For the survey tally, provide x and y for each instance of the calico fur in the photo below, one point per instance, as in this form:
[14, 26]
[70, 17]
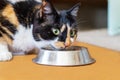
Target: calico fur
[31, 24]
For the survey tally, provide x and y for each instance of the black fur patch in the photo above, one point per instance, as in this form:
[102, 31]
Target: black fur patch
[24, 11]
[63, 35]
[45, 32]
[4, 32]
[3, 3]
[0, 35]
[8, 25]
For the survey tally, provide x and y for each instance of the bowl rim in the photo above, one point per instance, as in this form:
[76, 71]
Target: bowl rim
[79, 48]
[68, 65]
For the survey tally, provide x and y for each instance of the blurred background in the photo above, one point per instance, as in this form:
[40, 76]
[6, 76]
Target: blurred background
[99, 23]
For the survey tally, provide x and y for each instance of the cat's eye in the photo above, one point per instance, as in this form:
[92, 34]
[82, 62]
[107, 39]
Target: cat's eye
[56, 31]
[72, 33]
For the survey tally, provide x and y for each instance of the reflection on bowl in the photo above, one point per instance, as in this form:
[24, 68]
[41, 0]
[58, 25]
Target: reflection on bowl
[72, 56]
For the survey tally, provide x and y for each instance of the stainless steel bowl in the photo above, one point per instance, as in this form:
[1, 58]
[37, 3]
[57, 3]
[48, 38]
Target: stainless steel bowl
[72, 56]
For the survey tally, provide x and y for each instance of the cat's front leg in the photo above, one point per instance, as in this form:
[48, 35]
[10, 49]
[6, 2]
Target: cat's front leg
[5, 55]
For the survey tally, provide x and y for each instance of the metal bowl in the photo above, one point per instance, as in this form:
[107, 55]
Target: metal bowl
[72, 56]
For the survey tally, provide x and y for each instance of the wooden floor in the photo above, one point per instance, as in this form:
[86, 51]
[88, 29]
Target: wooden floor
[107, 67]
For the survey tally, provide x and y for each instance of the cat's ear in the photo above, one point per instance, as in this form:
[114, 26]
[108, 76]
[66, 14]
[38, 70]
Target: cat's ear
[74, 10]
[47, 8]
[45, 13]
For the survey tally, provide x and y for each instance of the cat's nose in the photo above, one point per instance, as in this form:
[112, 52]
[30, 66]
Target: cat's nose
[67, 43]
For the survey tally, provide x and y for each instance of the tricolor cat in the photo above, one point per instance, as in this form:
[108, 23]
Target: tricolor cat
[30, 24]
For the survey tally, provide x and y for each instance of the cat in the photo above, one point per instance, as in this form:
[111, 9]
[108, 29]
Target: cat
[29, 24]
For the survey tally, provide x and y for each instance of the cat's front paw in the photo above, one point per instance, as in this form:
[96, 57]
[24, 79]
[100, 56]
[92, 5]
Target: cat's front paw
[5, 56]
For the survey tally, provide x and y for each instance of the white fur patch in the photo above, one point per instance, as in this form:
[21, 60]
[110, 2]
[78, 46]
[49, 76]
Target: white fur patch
[23, 40]
[72, 39]
[5, 55]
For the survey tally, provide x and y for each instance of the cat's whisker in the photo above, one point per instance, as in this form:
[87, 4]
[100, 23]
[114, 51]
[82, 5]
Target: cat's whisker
[80, 19]
[77, 23]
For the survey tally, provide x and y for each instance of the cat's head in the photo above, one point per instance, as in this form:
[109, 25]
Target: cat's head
[57, 28]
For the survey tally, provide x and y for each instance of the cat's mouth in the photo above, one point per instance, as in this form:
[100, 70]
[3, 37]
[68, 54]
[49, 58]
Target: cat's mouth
[58, 45]
[51, 47]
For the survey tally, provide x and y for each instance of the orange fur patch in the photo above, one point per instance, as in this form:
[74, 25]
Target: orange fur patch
[75, 37]
[63, 28]
[60, 44]
[37, 6]
[6, 30]
[5, 39]
[1, 39]
[9, 14]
